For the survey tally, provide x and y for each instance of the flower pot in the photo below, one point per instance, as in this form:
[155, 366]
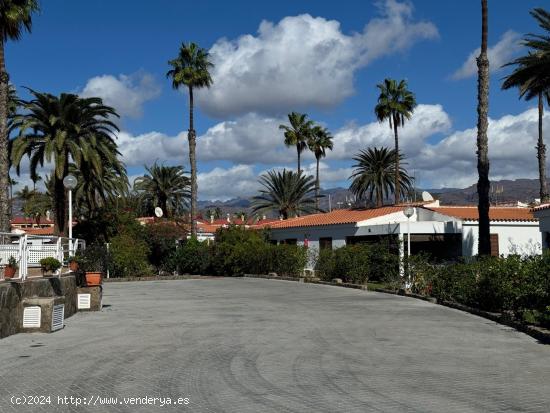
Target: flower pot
[93, 278]
[9, 271]
[73, 266]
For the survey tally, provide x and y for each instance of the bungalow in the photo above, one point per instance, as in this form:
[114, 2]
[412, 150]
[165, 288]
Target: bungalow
[445, 232]
[542, 213]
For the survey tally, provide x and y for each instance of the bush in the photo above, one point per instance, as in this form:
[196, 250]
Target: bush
[191, 257]
[287, 260]
[162, 238]
[358, 264]
[517, 285]
[95, 258]
[129, 256]
[50, 264]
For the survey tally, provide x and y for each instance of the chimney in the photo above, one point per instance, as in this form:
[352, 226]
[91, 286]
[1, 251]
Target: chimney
[264, 217]
[242, 218]
[212, 218]
[229, 218]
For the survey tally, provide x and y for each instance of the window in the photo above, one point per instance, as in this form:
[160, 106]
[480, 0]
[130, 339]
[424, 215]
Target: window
[290, 241]
[325, 243]
[494, 245]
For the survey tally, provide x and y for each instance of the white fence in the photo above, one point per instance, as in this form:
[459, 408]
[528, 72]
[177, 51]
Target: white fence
[28, 250]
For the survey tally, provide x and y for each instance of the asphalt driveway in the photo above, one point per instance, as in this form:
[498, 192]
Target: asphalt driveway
[248, 345]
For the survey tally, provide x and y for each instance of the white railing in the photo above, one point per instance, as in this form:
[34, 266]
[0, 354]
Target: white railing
[28, 250]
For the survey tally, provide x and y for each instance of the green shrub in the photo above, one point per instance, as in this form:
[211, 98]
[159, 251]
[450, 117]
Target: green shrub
[358, 263]
[129, 256]
[287, 260]
[325, 265]
[191, 257]
[50, 264]
[162, 238]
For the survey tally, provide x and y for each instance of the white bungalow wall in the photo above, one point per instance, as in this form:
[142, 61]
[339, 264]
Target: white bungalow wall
[522, 237]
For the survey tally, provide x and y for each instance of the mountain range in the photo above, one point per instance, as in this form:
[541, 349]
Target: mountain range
[502, 192]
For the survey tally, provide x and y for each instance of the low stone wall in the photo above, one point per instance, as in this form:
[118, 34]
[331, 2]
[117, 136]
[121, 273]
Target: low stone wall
[12, 295]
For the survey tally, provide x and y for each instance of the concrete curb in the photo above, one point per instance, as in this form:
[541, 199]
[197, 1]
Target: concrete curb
[159, 278]
[541, 334]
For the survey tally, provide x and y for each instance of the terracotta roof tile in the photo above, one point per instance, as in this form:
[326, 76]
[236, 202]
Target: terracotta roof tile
[495, 213]
[39, 231]
[338, 216]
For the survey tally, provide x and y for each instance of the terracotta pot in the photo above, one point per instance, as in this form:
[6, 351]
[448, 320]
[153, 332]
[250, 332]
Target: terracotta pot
[93, 278]
[73, 266]
[9, 272]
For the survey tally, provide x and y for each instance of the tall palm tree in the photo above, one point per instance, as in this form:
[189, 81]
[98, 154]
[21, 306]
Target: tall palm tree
[165, 186]
[191, 69]
[374, 175]
[15, 18]
[62, 130]
[298, 133]
[318, 143]
[483, 184]
[395, 104]
[289, 193]
[532, 77]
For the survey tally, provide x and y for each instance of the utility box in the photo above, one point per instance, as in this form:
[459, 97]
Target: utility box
[89, 298]
[42, 314]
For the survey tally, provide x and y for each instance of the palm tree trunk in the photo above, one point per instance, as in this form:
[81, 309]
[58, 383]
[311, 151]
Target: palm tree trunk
[193, 162]
[483, 185]
[317, 185]
[541, 155]
[298, 150]
[4, 155]
[396, 179]
[59, 206]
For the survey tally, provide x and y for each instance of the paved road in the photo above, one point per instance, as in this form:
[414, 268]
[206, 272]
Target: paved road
[245, 345]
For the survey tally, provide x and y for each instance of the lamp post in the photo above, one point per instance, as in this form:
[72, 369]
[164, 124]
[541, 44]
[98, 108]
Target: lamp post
[409, 212]
[70, 183]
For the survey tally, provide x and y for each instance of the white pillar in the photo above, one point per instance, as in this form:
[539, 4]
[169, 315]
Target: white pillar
[70, 223]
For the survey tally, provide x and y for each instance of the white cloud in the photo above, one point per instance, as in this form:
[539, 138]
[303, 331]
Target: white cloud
[253, 142]
[223, 184]
[126, 93]
[303, 61]
[500, 54]
[147, 148]
[512, 154]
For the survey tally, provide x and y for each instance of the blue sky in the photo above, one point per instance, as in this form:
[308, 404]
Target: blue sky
[323, 58]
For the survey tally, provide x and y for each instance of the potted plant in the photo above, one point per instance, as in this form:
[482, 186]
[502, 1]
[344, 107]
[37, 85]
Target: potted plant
[92, 263]
[49, 265]
[11, 268]
[74, 263]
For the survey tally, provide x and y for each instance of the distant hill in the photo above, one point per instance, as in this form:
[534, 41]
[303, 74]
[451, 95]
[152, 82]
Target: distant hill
[505, 191]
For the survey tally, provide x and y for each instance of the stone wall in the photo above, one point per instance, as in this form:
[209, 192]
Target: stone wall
[12, 295]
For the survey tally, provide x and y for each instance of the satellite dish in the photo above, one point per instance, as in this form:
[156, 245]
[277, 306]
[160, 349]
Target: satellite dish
[158, 212]
[426, 196]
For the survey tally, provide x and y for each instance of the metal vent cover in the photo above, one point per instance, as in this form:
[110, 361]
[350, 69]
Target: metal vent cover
[31, 317]
[84, 301]
[58, 317]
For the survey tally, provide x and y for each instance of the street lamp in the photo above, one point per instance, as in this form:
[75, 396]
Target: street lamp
[409, 212]
[70, 183]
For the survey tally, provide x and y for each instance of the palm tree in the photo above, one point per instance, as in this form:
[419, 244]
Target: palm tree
[532, 77]
[164, 186]
[15, 17]
[64, 129]
[96, 190]
[395, 104]
[298, 133]
[288, 193]
[191, 69]
[319, 141]
[37, 205]
[483, 185]
[374, 175]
